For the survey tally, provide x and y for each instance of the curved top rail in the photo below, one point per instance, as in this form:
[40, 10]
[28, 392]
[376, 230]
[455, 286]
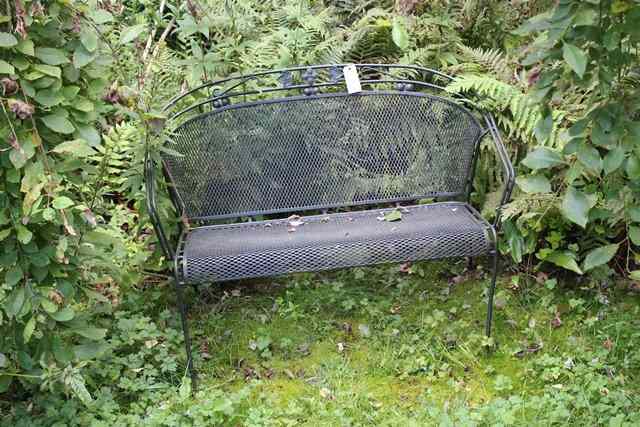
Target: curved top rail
[307, 80]
[246, 77]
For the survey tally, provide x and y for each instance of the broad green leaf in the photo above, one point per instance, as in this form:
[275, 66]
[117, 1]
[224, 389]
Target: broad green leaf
[4, 234]
[541, 158]
[6, 68]
[89, 134]
[633, 167]
[26, 47]
[89, 39]
[90, 332]
[65, 314]
[48, 70]
[90, 350]
[634, 234]
[534, 184]
[24, 234]
[7, 40]
[49, 97]
[28, 329]
[613, 160]
[131, 33]
[543, 128]
[62, 202]
[590, 157]
[61, 351]
[399, 33]
[51, 56]
[48, 305]
[82, 57]
[575, 57]
[58, 123]
[564, 259]
[100, 16]
[13, 275]
[576, 206]
[14, 302]
[82, 104]
[585, 16]
[77, 147]
[599, 256]
[634, 213]
[635, 275]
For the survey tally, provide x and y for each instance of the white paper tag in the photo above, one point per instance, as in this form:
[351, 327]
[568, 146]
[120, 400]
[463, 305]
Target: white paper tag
[351, 78]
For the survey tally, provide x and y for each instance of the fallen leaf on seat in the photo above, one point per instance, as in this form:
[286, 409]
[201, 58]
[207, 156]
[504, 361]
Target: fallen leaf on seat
[394, 215]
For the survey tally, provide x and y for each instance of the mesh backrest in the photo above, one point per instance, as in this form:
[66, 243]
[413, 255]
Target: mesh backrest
[326, 151]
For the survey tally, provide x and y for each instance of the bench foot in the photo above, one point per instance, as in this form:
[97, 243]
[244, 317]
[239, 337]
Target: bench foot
[185, 330]
[492, 289]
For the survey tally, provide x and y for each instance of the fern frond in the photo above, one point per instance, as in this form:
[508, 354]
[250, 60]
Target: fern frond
[491, 60]
[516, 113]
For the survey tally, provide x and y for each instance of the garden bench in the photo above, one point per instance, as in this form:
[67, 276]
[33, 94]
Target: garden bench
[289, 171]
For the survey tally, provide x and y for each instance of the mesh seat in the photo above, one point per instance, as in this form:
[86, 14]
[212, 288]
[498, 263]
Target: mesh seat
[323, 242]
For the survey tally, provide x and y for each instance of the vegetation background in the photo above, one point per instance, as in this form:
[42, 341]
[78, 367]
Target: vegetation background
[88, 332]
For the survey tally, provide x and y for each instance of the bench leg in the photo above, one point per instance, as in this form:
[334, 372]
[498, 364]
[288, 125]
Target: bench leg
[492, 289]
[185, 330]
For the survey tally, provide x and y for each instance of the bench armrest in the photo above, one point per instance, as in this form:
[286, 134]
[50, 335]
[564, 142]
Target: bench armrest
[509, 172]
[152, 206]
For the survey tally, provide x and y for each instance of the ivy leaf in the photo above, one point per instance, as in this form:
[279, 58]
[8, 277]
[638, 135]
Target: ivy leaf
[613, 160]
[575, 57]
[599, 256]
[62, 202]
[534, 184]
[131, 33]
[399, 33]
[634, 234]
[576, 206]
[7, 40]
[564, 259]
[51, 56]
[58, 123]
[542, 158]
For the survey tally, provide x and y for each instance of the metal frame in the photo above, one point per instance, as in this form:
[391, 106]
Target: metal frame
[305, 82]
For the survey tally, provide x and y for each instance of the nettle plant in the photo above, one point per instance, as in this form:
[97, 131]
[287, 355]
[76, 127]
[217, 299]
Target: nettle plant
[52, 242]
[581, 208]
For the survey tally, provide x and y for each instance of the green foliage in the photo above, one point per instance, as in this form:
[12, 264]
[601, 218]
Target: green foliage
[594, 175]
[51, 112]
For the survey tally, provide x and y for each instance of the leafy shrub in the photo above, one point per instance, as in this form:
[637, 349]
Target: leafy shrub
[582, 206]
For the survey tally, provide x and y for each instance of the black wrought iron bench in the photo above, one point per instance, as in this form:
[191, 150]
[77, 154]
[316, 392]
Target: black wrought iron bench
[284, 171]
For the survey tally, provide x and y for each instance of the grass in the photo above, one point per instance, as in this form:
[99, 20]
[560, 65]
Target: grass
[365, 346]
[378, 346]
